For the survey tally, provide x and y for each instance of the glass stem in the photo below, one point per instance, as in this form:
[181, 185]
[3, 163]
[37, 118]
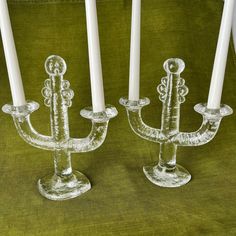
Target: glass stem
[170, 122]
[60, 127]
[62, 163]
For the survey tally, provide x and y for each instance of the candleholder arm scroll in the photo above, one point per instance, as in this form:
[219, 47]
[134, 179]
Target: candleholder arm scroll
[172, 92]
[21, 118]
[65, 183]
[134, 113]
[209, 128]
[98, 132]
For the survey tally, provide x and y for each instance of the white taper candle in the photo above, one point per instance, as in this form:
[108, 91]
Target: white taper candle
[234, 27]
[96, 77]
[17, 90]
[134, 71]
[218, 73]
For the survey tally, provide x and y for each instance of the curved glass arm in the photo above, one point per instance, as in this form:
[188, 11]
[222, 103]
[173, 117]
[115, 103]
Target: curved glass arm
[203, 135]
[98, 132]
[31, 136]
[21, 117]
[208, 129]
[133, 109]
[94, 140]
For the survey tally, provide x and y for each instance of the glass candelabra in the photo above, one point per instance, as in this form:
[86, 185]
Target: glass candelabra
[64, 183]
[172, 92]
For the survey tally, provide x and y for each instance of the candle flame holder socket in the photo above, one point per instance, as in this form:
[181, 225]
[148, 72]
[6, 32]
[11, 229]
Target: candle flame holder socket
[172, 92]
[64, 183]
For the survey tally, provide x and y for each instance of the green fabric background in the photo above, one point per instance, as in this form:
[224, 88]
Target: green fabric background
[122, 201]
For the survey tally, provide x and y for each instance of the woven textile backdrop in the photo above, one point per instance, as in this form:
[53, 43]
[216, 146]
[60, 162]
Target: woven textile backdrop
[122, 201]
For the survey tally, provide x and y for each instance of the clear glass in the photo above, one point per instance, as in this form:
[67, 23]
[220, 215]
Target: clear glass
[172, 92]
[64, 183]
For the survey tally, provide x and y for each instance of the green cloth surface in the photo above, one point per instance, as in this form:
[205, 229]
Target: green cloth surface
[122, 201]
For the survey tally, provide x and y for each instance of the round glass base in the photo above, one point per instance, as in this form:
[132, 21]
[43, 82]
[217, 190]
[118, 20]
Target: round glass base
[164, 177]
[59, 188]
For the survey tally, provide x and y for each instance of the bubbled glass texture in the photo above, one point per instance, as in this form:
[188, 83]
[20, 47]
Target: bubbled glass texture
[64, 183]
[172, 93]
